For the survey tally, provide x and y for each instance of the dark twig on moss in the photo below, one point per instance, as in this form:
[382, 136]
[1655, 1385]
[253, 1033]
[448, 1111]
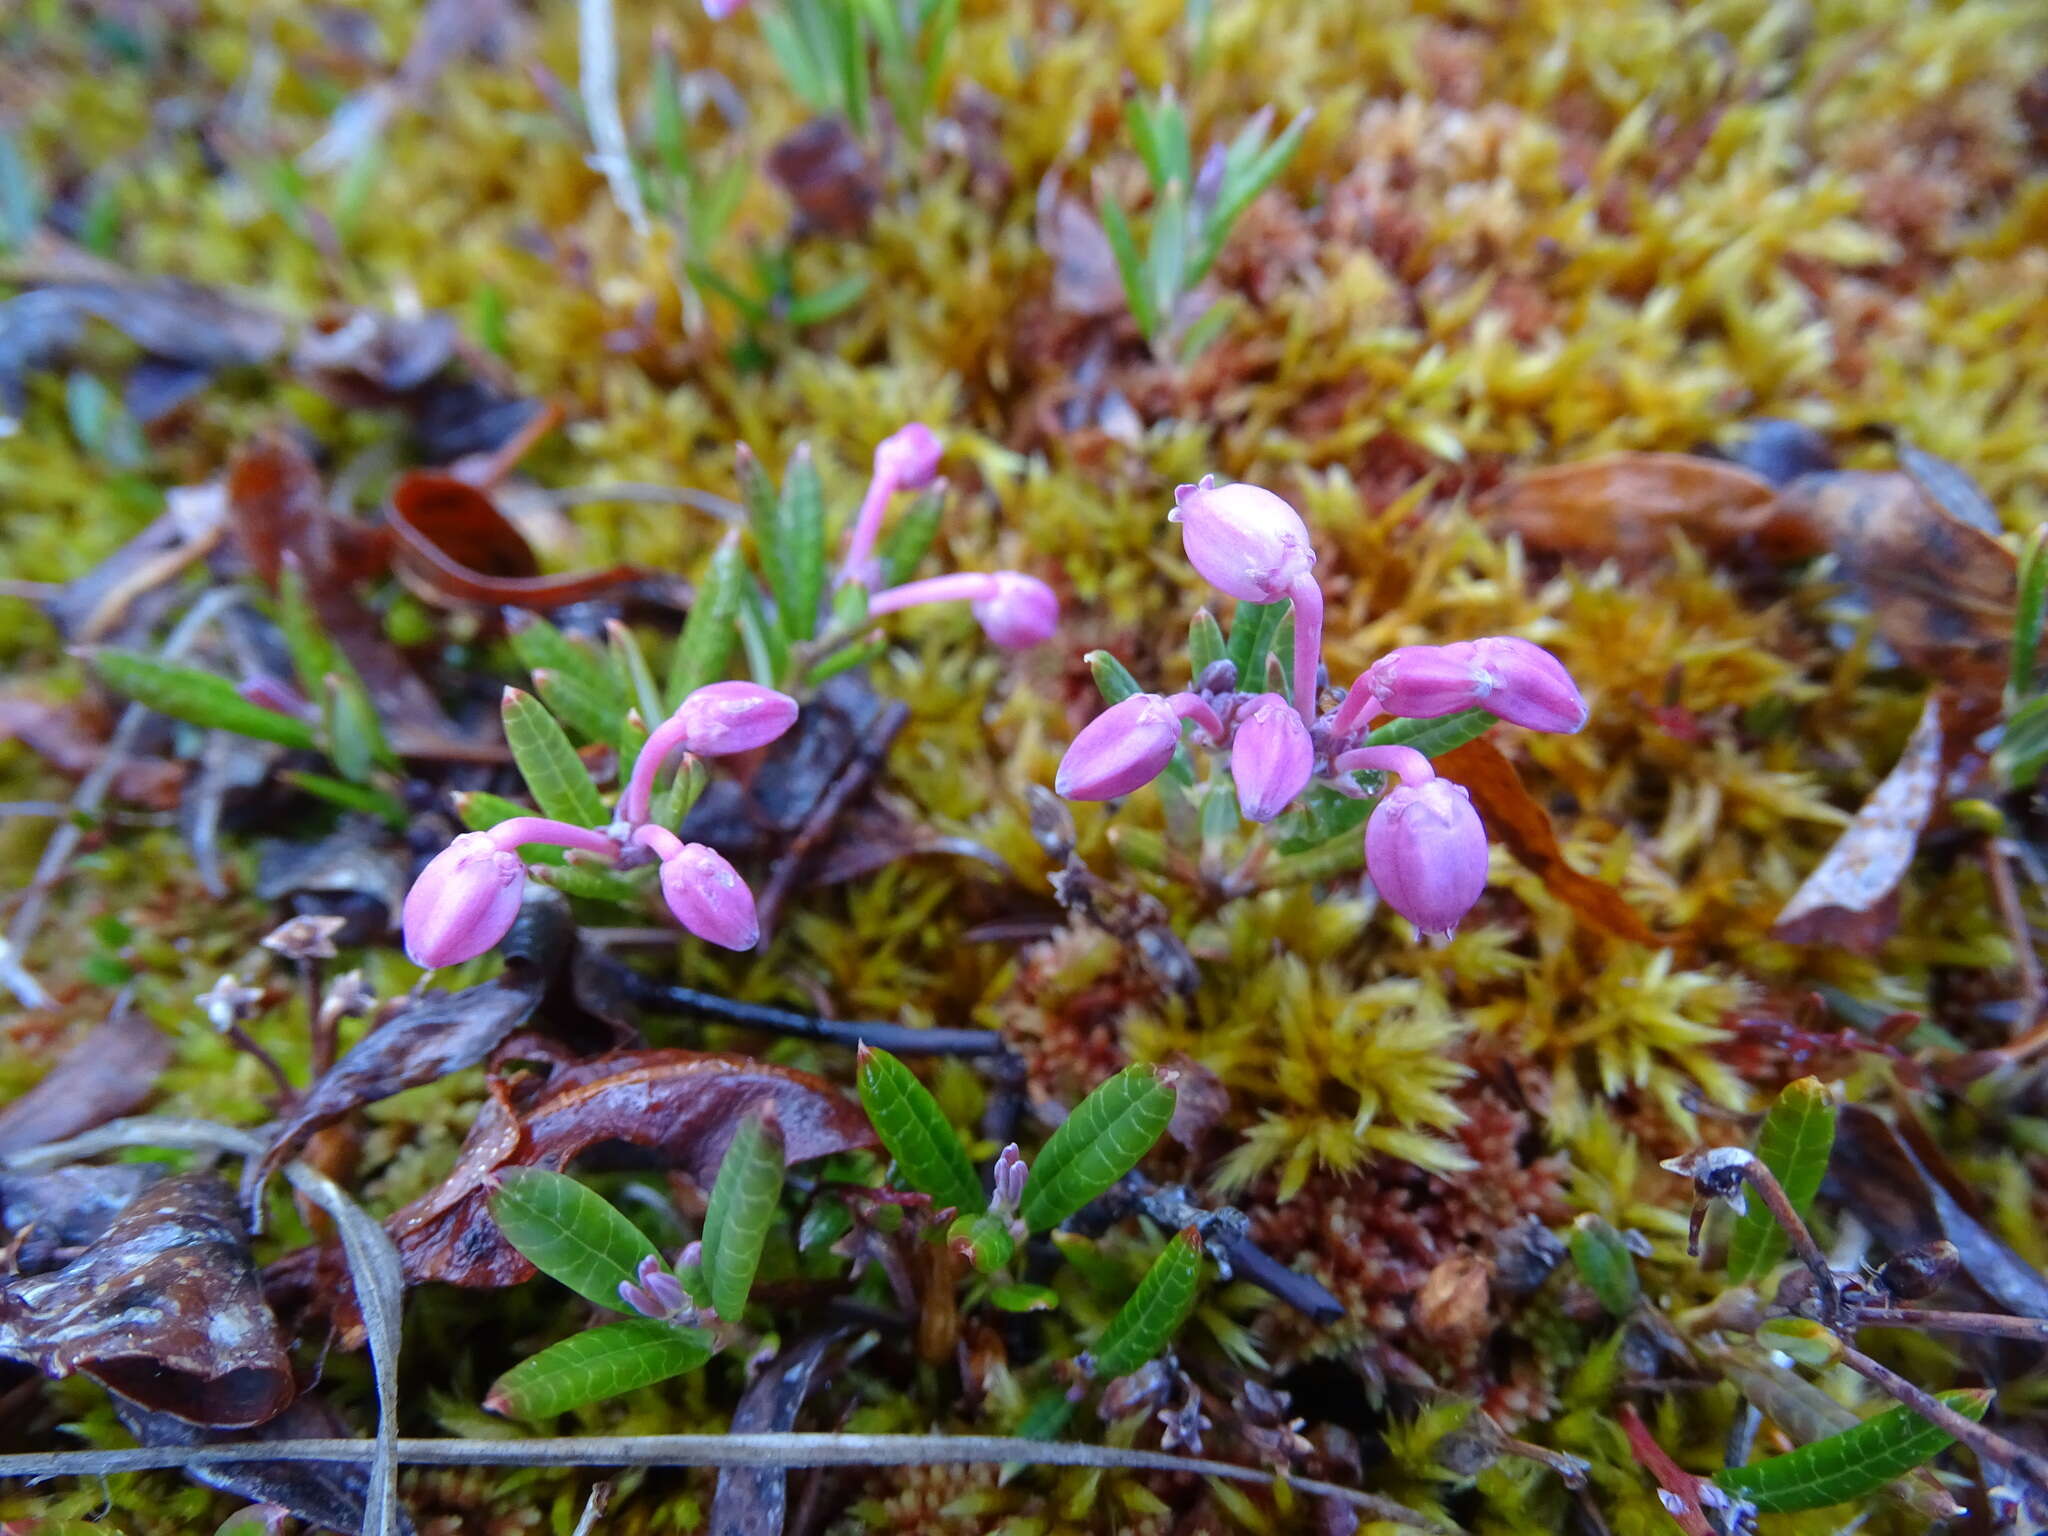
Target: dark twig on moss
[901, 1039]
[810, 838]
[2032, 1330]
[1224, 1232]
[1720, 1173]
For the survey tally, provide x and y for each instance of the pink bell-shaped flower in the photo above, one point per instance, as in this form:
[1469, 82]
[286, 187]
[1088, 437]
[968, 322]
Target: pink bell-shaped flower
[1018, 611]
[720, 719]
[1426, 852]
[1243, 539]
[908, 458]
[1271, 757]
[463, 903]
[1520, 682]
[1124, 748]
[705, 893]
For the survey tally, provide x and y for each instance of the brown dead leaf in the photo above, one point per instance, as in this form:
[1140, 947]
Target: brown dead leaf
[107, 1074]
[164, 1308]
[828, 176]
[1847, 900]
[1523, 828]
[1626, 506]
[71, 738]
[458, 548]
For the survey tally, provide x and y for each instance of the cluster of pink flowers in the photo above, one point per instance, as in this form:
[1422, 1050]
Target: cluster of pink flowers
[1014, 610]
[465, 900]
[1425, 848]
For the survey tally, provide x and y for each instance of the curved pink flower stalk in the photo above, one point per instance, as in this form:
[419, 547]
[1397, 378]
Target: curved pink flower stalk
[1014, 610]
[906, 460]
[703, 890]
[467, 897]
[1248, 543]
[1425, 846]
[1129, 744]
[716, 720]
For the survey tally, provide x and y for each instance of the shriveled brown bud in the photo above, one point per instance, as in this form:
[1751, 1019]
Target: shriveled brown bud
[1918, 1272]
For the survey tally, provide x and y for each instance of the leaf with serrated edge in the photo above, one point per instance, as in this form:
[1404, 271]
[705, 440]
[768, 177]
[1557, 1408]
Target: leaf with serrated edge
[569, 1233]
[1147, 1323]
[1101, 1141]
[561, 786]
[606, 1361]
[928, 1155]
[1793, 1142]
[742, 1209]
[1847, 1466]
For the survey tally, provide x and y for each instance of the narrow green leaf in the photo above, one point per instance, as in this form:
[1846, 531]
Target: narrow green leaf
[2029, 617]
[846, 660]
[354, 735]
[1851, 1464]
[985, 1239]
[707, 635]
[590, 714]
[1606, 1264]
[1111, 676]
[21, 200]
[910, 536]
[561, 786]
[315, 656]
[1433, 738]
[592, 882]
[744, 1198]
[929, 1157]
[569, 1233]
[350, 797]
[1166, 256]
[1252, 628]
[2022, 751]
[1205, 328]
[829, 302]
[1147, 1323]
[186, 693]
[607, 1361]
[767, 651]
[634, 677]
[1100, 1142]
[1238, 192]
[1130, 267]
[675, 800]
[541, 647]
[1793, 1142]
[1205, 642]
[1020, 1297]
[793, 554]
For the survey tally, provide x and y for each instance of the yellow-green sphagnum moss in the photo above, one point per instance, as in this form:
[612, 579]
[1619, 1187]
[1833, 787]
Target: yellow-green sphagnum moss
[1515, 235]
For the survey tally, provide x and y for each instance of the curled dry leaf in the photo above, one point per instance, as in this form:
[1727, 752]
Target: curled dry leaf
[1847, 898]
[107, 1074]
[71, 738]
[47, 1215]
[164, 1308]
[99, 604]
[1523, 828]
[1626, 506]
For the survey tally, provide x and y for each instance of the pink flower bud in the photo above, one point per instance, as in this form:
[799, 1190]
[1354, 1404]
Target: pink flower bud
[718, 10]
[1124, 748]
[720, 719]
[1019, 610]
[463, 902]
[1244, 540]
[709, 898]
[658, 1294]
[1271, 757]
[1426, 852]
[908, 457]
[1520, 682]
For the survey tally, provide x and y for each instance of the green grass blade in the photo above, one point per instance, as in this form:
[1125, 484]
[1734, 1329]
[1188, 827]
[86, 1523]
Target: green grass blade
[200, 698]
[608, 1361]
[706, 641]
[1850, 1465]
[1205, 642]
[555, 776]
[569, 1233]
[929, 1157]
[742, 1209]
[1605, 1264]
[1130, 266]
[1100, 1142]
[1793, 1142]
[1147, 1323]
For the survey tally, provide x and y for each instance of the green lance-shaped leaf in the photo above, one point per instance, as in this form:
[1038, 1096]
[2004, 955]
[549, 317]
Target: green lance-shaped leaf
[582, 709]
[985, 1240]
[354, 736]
[602, 1362]
[569, 1233]
[2028, 619]
[351, 797]
[1112, 678]
[792, 547]
[910, 536]
[2023, 751]
[314, 654]
[1130, 266]
[1252, 628]
[594, 883]
[929, 1157]
[707, 637]
[1100, 1142]
[1206, 645]
[1850, 1465]
[1606, 1264]
[1793, 1142]
[201, 698]
[561, 786]
[742, 1209]
[632, 675]
[541, 647]
[1147, 1323]
[1433, 738]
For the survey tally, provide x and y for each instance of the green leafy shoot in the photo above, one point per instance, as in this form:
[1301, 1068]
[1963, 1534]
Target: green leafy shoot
[984, 1240]
[601, 1362]
[929, 1157]
[1793, 1142]
[705, 643]
[743, 1202]
[1433, 738]
[1147, 1323]
[630, 669]
[1112, 678]
[541, 647]
[1849, 1465]
[199, 698]
[569, 1233]
[351, 797]
[352, 733]
[793, 551]
[1101, 1141]
[555, 776]
[1206, 645]
[1605, 1264]
[590, 714]
[1252, 628]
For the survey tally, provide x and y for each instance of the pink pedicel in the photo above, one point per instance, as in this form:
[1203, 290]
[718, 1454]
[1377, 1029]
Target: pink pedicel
[1014, 610]
[716, 720]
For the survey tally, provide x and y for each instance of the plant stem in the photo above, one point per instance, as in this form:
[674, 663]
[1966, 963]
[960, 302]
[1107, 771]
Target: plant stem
[2033, 1330]
[2030, 1468]
[1828, 1288]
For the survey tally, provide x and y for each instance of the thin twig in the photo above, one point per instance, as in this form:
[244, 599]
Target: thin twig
[901, 1039]
[2033, 1330]
[758, 1450]
[1828, 1286]
[852, 779]
[1998, 862]
[599, 57]
[1990, 1446]
[640, 493]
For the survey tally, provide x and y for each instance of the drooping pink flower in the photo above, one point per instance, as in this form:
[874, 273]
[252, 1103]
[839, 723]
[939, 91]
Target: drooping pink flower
[1271, 757]
[909, 456]
[1014, 610]
[1514, 679]
[703, 890]
[467, 897]
[1244, 540]
[1425, 849]
[716, 720]
[1129, 744]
